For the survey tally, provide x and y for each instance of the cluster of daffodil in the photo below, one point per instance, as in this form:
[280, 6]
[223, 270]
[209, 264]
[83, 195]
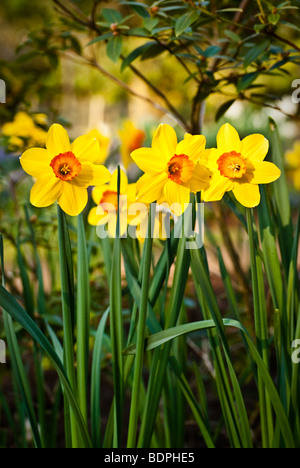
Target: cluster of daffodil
[172, 170]
[25, 131]
[293, 161]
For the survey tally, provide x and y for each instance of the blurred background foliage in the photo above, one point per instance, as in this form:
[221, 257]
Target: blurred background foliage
[96, 62]
[93, 64]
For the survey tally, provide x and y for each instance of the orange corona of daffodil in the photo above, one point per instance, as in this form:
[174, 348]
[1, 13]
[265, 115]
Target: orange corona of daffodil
[238, 166]
[64, 171]
[106, 199]
[293, 160]
[172, 169]
[131, 139]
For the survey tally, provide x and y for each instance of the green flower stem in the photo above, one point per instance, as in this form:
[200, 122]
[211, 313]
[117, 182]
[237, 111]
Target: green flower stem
[261, 334]
[17, 364]
[83, 315]
[141, 332]
[161, 356]
[116, 330]
[67, 300]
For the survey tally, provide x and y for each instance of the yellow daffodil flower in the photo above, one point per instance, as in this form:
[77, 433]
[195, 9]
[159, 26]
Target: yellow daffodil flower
[103, 142]
[172, 169]
[131, 139]
[238, 166]
[293, 160]
[106, 199]
[23, 132]
[64, 171]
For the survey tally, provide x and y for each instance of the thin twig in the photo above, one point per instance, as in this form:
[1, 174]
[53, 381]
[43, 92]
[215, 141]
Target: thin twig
[171, 108]
[93, 63]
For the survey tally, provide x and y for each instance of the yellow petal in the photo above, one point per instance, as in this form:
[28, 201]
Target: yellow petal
[131, 193]
[150, 189]
[218, 185]
[36, 162]
[199, 179]
[228, 139]
[98, 192]
[91, 175]
[150, 160]
[85, 176]
[114, 181]
[262, 172]
[296, 179]
[73, 199]
[192, 146]
[86, 148]
[165, 142]
[95, 218]
[255, 147]
[293, 156]
[177, 196]
[247, 194]
[101, 175]
[209, 158]
[103, 142]
[57, 141]
[46, 191]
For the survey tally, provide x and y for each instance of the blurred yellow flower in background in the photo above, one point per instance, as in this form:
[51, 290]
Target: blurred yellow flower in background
[238, 166]
[131, 139]
[64, 171]
[103, 142]
[106, 198]
[293, 160]
[23, 131]
[172, 169]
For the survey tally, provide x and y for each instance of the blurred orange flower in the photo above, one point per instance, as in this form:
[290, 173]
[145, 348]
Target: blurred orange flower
[131, 139]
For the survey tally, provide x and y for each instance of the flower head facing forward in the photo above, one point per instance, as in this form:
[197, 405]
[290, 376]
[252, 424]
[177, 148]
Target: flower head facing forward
[172, 170]
[64, 171]
[238, 166]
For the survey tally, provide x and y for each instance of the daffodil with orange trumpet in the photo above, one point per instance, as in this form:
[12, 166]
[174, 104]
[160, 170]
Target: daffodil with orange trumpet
[106, 198]
[64, 171]
[238, 166]
[172, 170]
